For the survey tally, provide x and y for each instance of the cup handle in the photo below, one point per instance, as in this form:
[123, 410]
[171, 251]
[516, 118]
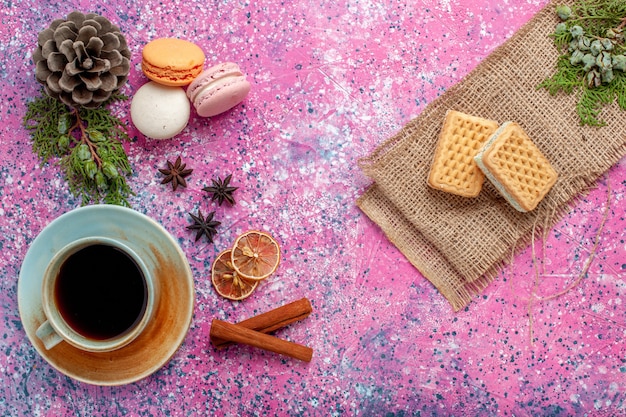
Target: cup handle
[48, 335]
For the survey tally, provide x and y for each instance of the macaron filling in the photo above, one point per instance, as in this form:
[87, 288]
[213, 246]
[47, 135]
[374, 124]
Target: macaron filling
[215, 84]
[169, 74]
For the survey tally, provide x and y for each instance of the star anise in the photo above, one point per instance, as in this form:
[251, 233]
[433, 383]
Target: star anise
[221, 190]
[204, 225]
[175, 173]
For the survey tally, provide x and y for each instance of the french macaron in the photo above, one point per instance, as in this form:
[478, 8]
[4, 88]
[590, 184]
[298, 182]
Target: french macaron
[218, 89]
[172, 61]
[160, 111]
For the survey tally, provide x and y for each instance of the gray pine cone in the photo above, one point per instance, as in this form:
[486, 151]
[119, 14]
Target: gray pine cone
[82, 60]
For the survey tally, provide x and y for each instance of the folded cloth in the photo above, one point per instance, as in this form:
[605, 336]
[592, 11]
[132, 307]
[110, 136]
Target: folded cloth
[459, 243]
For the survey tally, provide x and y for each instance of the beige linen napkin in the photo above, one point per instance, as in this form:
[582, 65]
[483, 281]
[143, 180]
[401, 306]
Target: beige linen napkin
[458, 243]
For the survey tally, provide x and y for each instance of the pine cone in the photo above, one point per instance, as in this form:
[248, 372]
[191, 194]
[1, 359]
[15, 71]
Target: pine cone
[82, 60]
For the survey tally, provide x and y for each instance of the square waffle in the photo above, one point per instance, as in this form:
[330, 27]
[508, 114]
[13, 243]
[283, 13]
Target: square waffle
[517, 168]
[453, 168]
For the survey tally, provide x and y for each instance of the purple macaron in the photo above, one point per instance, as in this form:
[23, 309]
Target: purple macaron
[218, 89]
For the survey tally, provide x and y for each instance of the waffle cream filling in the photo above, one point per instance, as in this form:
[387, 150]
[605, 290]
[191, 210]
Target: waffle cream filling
[499, 186]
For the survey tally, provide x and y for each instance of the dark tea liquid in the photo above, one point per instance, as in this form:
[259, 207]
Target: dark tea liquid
[101, 292]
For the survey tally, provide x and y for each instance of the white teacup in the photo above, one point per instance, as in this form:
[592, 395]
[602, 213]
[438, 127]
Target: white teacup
[97, 295]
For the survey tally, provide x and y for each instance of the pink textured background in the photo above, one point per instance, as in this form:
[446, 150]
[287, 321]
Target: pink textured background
[331, 80]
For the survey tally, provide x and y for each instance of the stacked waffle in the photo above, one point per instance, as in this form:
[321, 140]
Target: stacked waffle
[471, 148]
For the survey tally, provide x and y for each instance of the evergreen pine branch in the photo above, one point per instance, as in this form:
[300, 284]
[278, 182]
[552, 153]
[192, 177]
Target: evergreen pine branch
[587, 70]
[42, 119]
[589, 106]
[598, 15]
[88, 146]
[567, 78]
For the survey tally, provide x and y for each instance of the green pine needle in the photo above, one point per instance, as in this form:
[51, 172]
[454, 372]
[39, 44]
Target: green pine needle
[567, 77]
[87, 144]
[596, 16]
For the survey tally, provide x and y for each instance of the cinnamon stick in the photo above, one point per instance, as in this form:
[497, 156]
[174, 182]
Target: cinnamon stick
[236, 333]
[270, 321]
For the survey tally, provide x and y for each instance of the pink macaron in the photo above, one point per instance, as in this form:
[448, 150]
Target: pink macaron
[218, 89]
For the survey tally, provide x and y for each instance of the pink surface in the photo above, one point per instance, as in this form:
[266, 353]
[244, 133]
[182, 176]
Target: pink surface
[330, 81]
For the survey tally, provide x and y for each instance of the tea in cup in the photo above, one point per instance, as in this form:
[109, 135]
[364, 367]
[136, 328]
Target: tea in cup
[97, 295]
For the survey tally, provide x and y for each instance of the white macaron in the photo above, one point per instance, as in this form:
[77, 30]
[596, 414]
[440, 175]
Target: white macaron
[159, 111]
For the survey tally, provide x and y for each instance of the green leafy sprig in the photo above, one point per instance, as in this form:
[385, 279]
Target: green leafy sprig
[593, 64]
[88, 143]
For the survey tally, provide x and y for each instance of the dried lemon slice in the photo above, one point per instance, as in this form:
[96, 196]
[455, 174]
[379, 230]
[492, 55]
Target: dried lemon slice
[227, 282]
[255, 255]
